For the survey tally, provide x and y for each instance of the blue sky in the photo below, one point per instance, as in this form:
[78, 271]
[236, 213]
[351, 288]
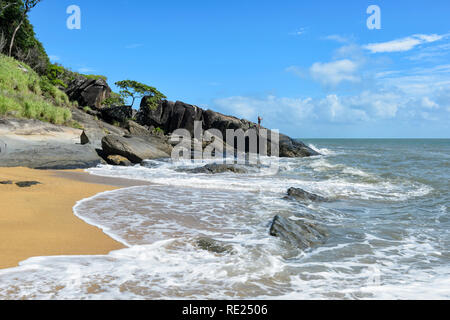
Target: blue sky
[310, 68]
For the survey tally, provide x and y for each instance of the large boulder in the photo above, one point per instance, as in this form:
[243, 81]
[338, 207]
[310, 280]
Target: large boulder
[136, 129]
[298, 233]
[170, 116]
[133, 148]
[302, 195]
[88, 92]
[118, 114]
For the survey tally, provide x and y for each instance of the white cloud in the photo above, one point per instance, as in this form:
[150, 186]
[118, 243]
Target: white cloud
[297, 71]
[270, 107]
[403, 44]
[368, 106]
[85, 70]
[339, 38]
[428, 103]
[133, 46]
[432, 53]
[299, 32]
[333, 73]
[54, 58]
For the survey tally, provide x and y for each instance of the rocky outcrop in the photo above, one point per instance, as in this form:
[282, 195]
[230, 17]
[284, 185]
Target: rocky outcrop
[88, 92]
[214, 246]
[302, 195]
[94, 128]
[40, 145]
[170, 116]
[215, 168]
[118, 114]
[136, 129]
[133, 148]
[297, 233]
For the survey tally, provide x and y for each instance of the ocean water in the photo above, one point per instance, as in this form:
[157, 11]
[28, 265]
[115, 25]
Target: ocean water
[388, 226]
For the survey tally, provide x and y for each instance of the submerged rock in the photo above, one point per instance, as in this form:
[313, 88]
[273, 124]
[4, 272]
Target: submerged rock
[215, 168]
[214, 246]
[300, 194]
[27, 184]
[6, 182]
[299, 233]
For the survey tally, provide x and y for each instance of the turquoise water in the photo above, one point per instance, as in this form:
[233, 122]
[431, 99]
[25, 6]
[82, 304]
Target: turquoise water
[388, 227]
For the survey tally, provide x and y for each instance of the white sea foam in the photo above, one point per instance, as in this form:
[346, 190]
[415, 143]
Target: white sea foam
[322, 151]
[370, 252]
[167, 173]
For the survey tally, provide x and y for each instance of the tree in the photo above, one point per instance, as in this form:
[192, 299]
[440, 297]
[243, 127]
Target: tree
[26, 7]
[136, 90]
[4, 4]
[26, 45]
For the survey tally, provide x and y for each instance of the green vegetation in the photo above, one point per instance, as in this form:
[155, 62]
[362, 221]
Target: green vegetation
[32, 87]
[114, 100]
[76, 125]
[136, 90]
[25, 7]
[24, 94]
[17, 37]
[159, 130]
[95, 77]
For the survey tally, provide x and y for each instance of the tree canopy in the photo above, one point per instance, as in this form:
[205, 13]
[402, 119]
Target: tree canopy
[26, 47]
[136, 90]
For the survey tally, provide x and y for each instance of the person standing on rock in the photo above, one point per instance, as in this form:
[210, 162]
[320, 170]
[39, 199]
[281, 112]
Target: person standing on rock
[259, 122]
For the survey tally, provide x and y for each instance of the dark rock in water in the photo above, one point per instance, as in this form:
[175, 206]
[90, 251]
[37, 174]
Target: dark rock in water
[88, 92]
[6, 182]
[300, 194]
[27, 184]
[290, 148]
[116, 160]
[84, 138]
[118, 114]
[134, 149]
[215, 168]
[170, 116]
[214, 246]
[299, 233]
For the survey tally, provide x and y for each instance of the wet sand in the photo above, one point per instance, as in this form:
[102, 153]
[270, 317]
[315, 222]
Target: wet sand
[39, 220]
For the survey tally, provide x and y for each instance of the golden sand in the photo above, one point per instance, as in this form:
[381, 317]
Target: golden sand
[39, 221]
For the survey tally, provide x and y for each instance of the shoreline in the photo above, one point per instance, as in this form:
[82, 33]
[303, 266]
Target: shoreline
[39, 220]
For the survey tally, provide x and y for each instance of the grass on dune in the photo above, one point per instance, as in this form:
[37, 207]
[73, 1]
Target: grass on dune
[24, 94]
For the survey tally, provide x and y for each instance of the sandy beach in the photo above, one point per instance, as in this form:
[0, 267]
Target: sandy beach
[39, 221]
